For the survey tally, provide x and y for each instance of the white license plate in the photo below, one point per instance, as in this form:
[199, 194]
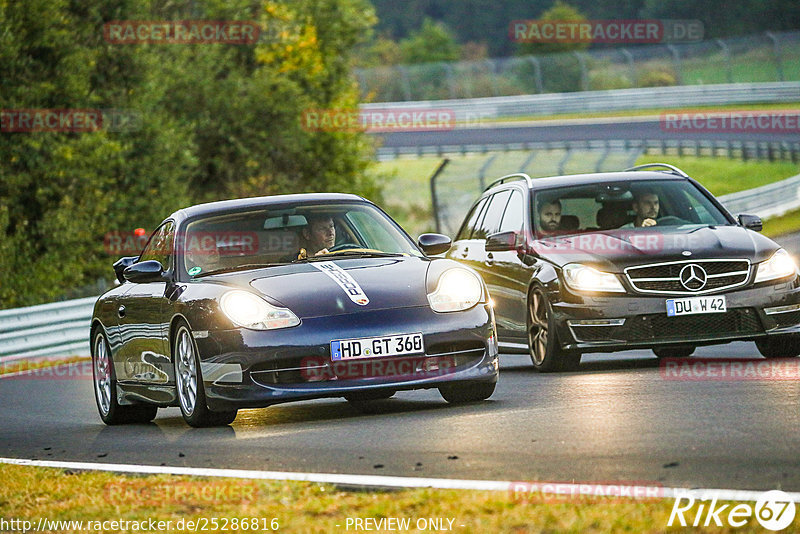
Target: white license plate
[692, 305]
[377, 347]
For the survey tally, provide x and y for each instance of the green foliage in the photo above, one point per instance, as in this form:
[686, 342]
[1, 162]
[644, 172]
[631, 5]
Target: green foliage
[215, 121]
[431, 43]
[561, 11]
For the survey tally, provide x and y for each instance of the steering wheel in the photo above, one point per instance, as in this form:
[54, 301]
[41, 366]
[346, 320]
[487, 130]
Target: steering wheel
[671, 220]
[343, 246]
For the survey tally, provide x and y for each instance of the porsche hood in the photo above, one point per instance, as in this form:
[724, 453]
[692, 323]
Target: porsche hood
[341, 286]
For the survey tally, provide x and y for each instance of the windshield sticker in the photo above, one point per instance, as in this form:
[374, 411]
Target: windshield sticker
[194, 270]
[345, 281]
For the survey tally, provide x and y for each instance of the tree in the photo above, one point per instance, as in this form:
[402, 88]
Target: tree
[430, 44]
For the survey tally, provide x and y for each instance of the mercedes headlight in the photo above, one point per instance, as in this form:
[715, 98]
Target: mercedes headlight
[250, 311]
[780, 265]
[457, 290]
[584, 278]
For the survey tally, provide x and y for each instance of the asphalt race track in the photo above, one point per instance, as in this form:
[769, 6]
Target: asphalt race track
[614, 128]
[615, 420]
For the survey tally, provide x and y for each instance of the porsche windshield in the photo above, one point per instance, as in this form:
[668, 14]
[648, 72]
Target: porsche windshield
[280, 235]
[650, 204]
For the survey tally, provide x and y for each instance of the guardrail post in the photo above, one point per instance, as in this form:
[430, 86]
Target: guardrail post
[631, 65]
[726, 52]
[482, 171]
[450, 79]
[776, 50]
[537, 73]
[404, 81]
[676, 60]
[528, 160]
[434, 201]
[584, 71]
[492, 77]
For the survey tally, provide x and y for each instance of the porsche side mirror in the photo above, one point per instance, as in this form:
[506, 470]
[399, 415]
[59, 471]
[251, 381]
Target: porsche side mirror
[144, 271]
[503, 241]
[121, 264]
[432, 244]
[751, 222]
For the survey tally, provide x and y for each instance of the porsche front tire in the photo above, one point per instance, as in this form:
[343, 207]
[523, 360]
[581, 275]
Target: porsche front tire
[189, 383]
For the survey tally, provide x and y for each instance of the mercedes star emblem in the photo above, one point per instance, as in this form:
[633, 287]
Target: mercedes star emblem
[693, 277]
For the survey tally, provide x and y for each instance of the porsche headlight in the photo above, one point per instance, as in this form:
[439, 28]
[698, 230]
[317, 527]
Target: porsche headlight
[780, 265]
[458, 289]
[250, 311]
[584, 278]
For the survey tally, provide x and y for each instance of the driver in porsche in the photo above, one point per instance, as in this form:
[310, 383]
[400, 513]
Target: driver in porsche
[319, 235]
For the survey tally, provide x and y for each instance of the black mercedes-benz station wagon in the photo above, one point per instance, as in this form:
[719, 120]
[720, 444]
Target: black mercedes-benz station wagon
[252, 302]
[643, 258]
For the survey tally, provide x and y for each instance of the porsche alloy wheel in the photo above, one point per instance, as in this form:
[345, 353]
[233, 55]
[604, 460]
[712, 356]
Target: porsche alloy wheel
[546, 354]
[189, 383]
[105, 390]
[102, 375]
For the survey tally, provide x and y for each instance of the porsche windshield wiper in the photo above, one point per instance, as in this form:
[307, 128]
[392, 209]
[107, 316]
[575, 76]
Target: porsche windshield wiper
[244, 267]
[353, 254]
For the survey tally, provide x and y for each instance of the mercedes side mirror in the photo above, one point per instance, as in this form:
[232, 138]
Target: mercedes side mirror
[751, 222]
[503, 241]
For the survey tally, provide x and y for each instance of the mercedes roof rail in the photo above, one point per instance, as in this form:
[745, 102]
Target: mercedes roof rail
[510, 177]
[673, 169]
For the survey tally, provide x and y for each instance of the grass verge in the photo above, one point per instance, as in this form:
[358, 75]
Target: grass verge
[31, 493]
[785, 224]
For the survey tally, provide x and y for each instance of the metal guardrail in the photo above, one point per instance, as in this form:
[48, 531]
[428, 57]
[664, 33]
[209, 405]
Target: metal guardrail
[745, 150]
[48, 330]
[771, 200]
[474, 110]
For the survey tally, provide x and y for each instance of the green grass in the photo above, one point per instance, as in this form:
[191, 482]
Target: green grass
[722, 176]
[785, 224]
[30, 493]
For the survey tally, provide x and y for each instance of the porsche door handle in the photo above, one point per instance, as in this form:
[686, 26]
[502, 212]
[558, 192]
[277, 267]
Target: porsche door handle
[465, 252]
[121, 312]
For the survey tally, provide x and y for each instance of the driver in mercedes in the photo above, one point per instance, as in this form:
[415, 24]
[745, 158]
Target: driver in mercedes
[646, 206]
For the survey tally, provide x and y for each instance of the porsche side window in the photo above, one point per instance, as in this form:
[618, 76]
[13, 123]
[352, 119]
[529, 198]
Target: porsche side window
[471, 220]
[514, 215]
[159, 247]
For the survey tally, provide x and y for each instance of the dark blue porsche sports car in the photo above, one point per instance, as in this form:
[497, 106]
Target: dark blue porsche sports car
[252, 302]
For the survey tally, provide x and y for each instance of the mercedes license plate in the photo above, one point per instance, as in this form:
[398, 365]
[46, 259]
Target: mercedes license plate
[692, 305]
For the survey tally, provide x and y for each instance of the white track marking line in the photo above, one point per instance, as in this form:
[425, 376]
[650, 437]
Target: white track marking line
[555, 488]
